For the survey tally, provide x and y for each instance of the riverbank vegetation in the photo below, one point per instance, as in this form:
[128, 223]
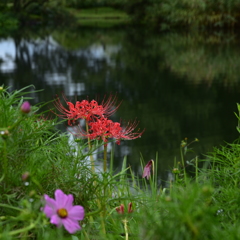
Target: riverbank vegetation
[162, 15]
[186, 13]
[40, 164]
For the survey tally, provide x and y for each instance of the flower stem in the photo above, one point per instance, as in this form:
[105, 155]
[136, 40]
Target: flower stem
[15, 124]
[22, 230]
[105, 158]
[183, 165]
[90, 148]
[9, 206]
[86, 235]
[196, 169]
[101, 218]
[125, 228]
[5, 160]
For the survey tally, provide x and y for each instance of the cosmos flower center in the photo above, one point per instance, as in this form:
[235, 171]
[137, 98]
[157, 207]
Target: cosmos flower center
[62, 213]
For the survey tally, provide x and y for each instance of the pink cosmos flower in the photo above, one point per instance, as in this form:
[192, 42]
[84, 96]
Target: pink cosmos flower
[147, 169]
[62, 212]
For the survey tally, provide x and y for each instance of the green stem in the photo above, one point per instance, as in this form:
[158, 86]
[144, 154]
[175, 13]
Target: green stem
[153, 170]
[102, 218]
[183, 164]
[90, 149]
[105, 158]
[152, 180]
[192, 227]
[11, 207]
[86, 235]
[5, 160]
[22, 230]
[15, 124]
[94, 212]
[176, 177]
[125, 228]
[38, 185]
[196, 169]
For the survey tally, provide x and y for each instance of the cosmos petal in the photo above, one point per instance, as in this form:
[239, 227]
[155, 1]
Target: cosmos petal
[50, 207]
[55, 219]
[48, 211]
[76, 213]
[61, 198]
[70, 225]
[69, 202]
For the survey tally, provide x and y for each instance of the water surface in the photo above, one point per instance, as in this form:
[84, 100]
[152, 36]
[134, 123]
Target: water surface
[177, 85]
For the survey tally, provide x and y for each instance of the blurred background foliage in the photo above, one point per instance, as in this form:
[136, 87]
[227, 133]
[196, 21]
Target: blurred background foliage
[160, 14]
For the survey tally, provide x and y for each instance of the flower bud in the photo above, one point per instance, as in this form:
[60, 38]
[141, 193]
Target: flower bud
[26, 107]
[207, 190]
[130, 210]
[147, 169]
[120, 209]
[168, 199]
[32, 193]
[176, 171]
[25, 176]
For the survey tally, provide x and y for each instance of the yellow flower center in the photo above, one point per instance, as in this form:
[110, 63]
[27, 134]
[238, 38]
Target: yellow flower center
[62, 213]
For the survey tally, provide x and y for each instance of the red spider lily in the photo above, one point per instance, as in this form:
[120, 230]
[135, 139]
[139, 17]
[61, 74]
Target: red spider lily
[66, 114]
[86, 110]
[147, 169]
[127, 132]
[104, 129]
[100, 129]
[108, 104]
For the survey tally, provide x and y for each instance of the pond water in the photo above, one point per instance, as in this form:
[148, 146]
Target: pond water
[177, 85]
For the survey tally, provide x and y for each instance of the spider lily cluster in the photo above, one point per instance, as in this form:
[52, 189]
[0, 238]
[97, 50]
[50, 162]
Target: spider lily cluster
[98, 124]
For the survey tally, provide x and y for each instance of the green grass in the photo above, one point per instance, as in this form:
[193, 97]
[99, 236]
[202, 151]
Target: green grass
[104, 16]
[203, 206]
[102, 12]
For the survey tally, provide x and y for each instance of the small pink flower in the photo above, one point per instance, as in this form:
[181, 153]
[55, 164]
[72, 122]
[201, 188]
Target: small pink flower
[147, 169]
[62, 212]
[26, 107]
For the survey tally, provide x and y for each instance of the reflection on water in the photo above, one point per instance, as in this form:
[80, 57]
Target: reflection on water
[202, 59]
[176, 85]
